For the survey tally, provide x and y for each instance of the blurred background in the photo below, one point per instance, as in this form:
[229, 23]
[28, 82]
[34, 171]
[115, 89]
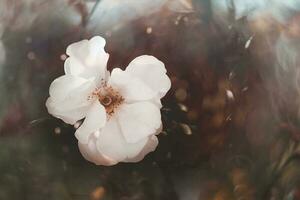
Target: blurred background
[231, 120]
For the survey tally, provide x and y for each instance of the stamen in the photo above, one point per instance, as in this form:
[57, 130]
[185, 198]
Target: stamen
[106, 101]
[108, 97]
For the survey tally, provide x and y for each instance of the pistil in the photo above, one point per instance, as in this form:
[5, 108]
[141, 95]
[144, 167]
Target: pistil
[110, 98]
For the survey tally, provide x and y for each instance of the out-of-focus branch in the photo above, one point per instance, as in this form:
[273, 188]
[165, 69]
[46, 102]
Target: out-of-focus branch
[87, 19]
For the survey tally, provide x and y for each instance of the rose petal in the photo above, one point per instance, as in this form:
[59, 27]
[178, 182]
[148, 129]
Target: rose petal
[94, 120]
[90, 152]
[139, 120]
[61, 87]
[112, 143]
[87, 59]
[69, 98]
[78, 49]
[157, 102]
[73, 67]
[159, 130]
[152, 72]
[149, 147]
[70, 116]
[131, 88]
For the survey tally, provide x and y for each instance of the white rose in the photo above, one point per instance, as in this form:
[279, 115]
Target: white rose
[121, 110]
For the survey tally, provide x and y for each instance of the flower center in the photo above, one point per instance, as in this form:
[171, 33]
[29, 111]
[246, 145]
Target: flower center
[109, 98]
[106, 101]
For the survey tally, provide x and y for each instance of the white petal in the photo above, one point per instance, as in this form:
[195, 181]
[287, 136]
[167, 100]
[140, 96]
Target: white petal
[69, 98]
[90, 152]
[94, 120]
[139, 120]
[149, 147]
[73, 66]
[61, 87]
[78, 49]
[159, 130]
[152, 72]
[87, 58]
[70, 116]
[96, 46]
[157, 102]
[131, 88]
[112, 143]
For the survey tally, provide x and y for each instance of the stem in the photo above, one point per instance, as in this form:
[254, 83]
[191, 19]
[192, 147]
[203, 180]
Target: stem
[86, 20]
[92, 12]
